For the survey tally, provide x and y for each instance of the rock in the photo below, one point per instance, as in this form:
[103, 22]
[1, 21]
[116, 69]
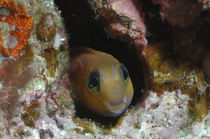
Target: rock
[167, 74]
[50, 57]
[188, 45]
[206, 68]
[180, 13]
[125, 19]
[206, 4]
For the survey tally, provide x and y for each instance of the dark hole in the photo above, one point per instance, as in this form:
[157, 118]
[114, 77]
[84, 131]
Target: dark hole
[85, 30]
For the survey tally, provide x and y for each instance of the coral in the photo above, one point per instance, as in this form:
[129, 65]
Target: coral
[19, 24]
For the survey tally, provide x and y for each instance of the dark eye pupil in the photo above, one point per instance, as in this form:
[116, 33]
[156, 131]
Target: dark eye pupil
[93, 80]
[124, 72]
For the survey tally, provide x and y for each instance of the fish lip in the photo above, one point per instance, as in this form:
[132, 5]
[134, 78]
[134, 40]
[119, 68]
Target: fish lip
[116, 112]
[117, 109]
[108, 105]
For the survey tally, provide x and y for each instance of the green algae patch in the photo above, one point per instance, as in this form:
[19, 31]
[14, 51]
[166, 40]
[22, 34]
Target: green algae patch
[50, 56]
[168, 73]
[31, 114]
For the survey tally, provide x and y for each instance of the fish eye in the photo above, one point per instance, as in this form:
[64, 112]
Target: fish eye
[93, 82]
[124, 73]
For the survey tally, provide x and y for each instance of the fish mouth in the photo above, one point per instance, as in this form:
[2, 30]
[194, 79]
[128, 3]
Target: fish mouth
[119, 108]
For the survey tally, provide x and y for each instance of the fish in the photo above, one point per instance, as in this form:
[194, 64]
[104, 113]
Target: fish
[99, 82]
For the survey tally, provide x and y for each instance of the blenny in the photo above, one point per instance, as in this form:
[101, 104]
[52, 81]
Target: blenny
[99, 82]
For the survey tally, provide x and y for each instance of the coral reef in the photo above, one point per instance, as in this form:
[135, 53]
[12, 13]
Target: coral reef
[169, 37]
[34, 58]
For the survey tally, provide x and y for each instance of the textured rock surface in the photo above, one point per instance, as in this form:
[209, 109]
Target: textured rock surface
[125, 18]
[180, 13]
[168, 73]
[30, 74]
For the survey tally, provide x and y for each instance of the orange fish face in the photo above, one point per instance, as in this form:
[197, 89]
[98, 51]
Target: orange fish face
[101, 83]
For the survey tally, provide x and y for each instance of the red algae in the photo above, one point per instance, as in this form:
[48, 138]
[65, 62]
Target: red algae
[21, 25]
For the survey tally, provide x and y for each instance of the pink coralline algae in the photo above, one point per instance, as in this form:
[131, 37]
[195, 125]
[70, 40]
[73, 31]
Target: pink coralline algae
[181, 13]
[126, 20]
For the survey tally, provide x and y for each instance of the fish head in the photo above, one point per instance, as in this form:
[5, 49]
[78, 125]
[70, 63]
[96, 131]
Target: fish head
[108, 89]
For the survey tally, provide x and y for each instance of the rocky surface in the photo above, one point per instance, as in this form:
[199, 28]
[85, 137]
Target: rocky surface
[125, 19]
[179, 13]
